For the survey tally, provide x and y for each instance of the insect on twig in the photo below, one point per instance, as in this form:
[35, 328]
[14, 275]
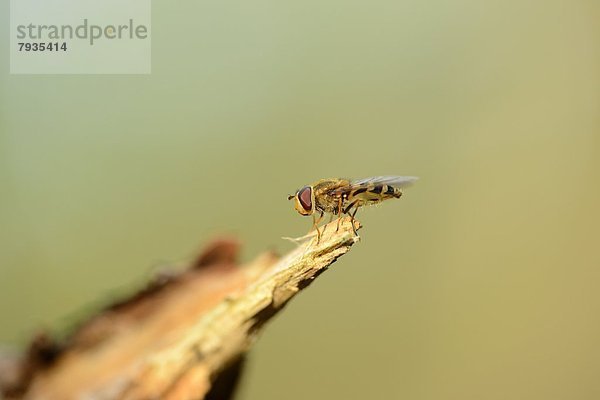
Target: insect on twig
[339, 196]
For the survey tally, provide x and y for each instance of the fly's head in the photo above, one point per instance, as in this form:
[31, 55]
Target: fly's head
[304, 200]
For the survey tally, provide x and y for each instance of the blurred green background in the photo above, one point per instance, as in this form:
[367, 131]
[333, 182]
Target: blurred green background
[481, 283]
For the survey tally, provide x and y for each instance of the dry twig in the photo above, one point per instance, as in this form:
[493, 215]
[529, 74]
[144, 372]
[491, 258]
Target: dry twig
[184, 337]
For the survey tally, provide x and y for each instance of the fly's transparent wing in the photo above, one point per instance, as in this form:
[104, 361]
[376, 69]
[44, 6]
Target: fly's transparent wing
[394, 181]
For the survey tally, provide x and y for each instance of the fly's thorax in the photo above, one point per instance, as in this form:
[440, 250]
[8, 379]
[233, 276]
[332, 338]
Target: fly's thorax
[326, 203]
[328, 193]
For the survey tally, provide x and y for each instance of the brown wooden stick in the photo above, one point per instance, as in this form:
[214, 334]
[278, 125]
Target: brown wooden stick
[184, 337]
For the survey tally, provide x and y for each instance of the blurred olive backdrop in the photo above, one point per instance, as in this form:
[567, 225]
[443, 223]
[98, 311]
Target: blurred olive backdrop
[483, 282]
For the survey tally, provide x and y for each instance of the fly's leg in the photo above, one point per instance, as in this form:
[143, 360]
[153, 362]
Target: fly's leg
[350, 206]
[339, 213]
[346, 211]
[352, 221]
[316, 226]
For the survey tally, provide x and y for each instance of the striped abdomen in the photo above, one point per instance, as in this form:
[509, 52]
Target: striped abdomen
[374, 192]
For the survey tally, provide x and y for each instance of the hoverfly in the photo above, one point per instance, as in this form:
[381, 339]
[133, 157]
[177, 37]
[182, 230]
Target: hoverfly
[343, 196]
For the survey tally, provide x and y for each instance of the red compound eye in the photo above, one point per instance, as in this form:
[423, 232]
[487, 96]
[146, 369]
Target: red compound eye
[305, 198]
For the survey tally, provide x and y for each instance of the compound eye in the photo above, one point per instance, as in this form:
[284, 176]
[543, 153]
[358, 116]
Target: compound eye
[305, 198]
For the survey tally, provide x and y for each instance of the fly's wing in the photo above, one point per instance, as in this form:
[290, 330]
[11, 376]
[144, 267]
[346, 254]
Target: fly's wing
[394, 181]
[371, 189]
